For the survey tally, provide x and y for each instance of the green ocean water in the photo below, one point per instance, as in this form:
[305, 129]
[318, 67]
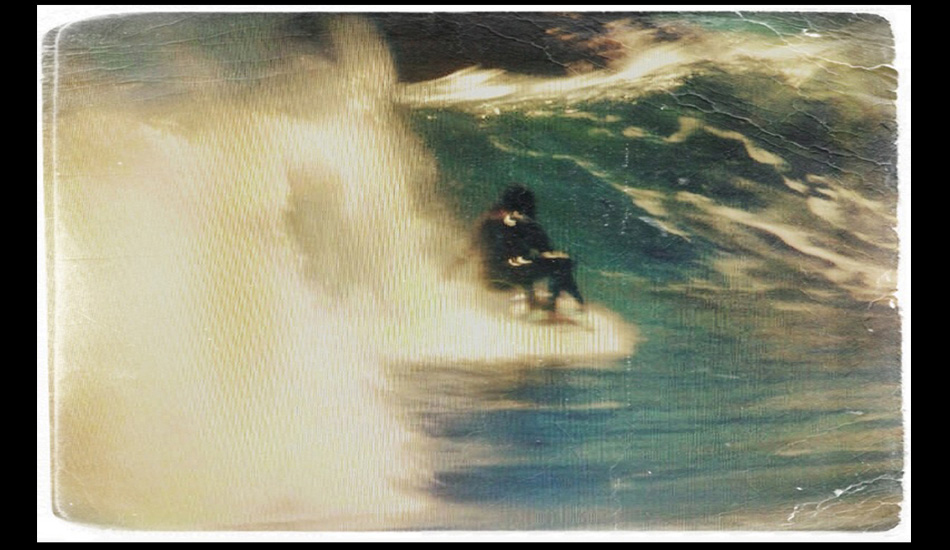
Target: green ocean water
[744, 225]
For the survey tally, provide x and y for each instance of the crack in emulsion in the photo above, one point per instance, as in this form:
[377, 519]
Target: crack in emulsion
[805, 149]
[809, 56]
[541, 47]
[837, 494]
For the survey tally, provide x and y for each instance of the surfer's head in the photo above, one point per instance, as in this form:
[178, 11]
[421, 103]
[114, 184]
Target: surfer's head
[518, 198]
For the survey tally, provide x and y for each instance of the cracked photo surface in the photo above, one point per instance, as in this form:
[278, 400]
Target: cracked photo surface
[486, 271]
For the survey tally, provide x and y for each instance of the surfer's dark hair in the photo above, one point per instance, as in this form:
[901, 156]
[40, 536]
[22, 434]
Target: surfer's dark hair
[518, 197]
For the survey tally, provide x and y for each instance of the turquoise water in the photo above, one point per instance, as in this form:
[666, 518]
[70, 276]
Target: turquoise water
[765, 391]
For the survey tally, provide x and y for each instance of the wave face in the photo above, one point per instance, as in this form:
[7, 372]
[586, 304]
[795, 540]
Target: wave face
[255, 323]
[764, 134]
[729, 182]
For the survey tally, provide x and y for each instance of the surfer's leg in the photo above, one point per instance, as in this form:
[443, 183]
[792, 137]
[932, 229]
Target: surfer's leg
[554, 269]
[532, 299]
[570, 285]
[554, 287]
[562, 280]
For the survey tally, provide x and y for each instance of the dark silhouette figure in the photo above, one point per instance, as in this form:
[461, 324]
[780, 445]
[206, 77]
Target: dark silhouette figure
[516, 252]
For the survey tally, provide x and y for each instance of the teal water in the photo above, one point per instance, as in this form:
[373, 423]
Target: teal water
[745, 226]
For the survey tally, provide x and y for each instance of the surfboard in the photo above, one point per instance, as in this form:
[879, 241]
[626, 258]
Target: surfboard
[569, 318]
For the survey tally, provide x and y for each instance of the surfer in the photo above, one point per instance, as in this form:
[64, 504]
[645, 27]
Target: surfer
[516, 252]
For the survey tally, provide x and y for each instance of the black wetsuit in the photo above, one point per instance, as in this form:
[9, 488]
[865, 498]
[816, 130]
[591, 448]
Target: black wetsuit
[517, 252]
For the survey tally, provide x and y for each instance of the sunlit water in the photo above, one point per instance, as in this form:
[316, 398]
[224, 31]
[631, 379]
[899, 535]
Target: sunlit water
[256, 325]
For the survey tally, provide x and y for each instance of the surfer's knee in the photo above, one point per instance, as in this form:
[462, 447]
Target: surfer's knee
[559, 267]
